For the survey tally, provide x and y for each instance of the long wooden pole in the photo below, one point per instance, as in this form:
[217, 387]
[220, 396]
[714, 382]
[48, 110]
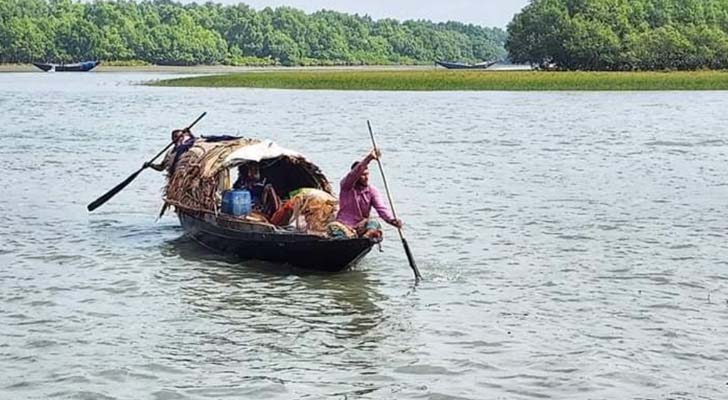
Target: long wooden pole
[407, 250]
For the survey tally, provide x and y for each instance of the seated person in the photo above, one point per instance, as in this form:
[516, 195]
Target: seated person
[263, 196]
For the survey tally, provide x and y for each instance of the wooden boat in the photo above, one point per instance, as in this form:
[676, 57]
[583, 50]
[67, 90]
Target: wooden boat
[77, 67]
[203, 173]
[247, 241]
[456, 65]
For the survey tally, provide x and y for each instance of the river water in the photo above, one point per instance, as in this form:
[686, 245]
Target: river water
[573, 246]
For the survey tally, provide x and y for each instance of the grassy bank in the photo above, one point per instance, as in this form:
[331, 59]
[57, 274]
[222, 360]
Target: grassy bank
[461, 80]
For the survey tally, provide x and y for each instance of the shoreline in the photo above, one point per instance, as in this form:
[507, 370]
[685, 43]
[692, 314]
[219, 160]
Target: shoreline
[220, 69]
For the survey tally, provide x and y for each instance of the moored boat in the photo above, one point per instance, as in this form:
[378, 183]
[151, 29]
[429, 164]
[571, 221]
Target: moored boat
[457, 65]
[77, 67]
[201, 178]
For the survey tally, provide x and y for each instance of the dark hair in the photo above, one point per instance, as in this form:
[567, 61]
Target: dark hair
[247, 167]
[177, 133]
[354, 164]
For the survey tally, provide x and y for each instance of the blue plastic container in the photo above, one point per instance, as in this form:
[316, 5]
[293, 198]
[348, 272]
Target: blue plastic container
[236, 202]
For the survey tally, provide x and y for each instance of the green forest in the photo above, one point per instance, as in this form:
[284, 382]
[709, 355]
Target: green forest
[169, 33]
[621, 35]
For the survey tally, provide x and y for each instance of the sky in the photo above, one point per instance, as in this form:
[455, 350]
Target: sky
[480, 12]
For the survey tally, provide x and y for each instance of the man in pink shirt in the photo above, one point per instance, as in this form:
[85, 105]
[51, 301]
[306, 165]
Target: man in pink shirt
[357, 197]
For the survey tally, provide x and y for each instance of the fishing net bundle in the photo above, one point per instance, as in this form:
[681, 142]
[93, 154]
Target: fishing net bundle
[313, 210]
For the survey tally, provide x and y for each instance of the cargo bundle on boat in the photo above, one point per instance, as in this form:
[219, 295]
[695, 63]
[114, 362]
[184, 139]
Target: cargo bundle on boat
[202, 189]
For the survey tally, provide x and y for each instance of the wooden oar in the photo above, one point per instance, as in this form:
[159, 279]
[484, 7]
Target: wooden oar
[407, 250]
[118, 188]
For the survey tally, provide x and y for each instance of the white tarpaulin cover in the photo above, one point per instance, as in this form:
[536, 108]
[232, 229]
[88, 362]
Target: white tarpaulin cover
[262, 150]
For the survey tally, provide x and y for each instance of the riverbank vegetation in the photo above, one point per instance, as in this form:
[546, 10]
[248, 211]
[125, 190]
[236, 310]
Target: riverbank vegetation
[170, 33]
[461, 80]
[621, 35]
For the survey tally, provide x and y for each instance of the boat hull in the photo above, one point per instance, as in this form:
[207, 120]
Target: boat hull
[248, 242]
[450, 65]
[79, 67]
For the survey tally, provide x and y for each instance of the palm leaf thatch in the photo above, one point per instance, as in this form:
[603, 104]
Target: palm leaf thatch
[203, 172]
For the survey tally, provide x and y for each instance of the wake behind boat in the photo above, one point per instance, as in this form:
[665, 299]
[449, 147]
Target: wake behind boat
[200, 190]
[77, 67]
[457, 65]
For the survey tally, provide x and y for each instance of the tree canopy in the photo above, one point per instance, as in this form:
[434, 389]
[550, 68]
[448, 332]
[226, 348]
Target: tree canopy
[166, 32]
[621, 34]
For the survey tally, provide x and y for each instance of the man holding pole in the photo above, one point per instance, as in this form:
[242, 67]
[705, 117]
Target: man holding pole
[118, 188]
[183, 140]
[356, 199]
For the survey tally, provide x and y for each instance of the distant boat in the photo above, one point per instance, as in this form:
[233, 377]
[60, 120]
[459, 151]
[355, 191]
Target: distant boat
[457, 65]
[77, 67]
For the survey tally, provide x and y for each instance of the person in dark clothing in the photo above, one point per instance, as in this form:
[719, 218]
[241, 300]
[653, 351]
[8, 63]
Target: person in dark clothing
[263, 196]
[183, 140]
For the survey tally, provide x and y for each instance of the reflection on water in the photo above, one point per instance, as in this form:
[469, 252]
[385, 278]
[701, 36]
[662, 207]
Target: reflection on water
[262, 308]
[343, 304]
[572, 245]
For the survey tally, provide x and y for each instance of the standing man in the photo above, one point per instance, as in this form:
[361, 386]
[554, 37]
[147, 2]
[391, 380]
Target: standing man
[357, 197]
[183, 140]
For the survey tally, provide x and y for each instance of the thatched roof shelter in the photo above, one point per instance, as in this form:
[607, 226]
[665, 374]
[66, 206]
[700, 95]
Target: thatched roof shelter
[203, 172]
